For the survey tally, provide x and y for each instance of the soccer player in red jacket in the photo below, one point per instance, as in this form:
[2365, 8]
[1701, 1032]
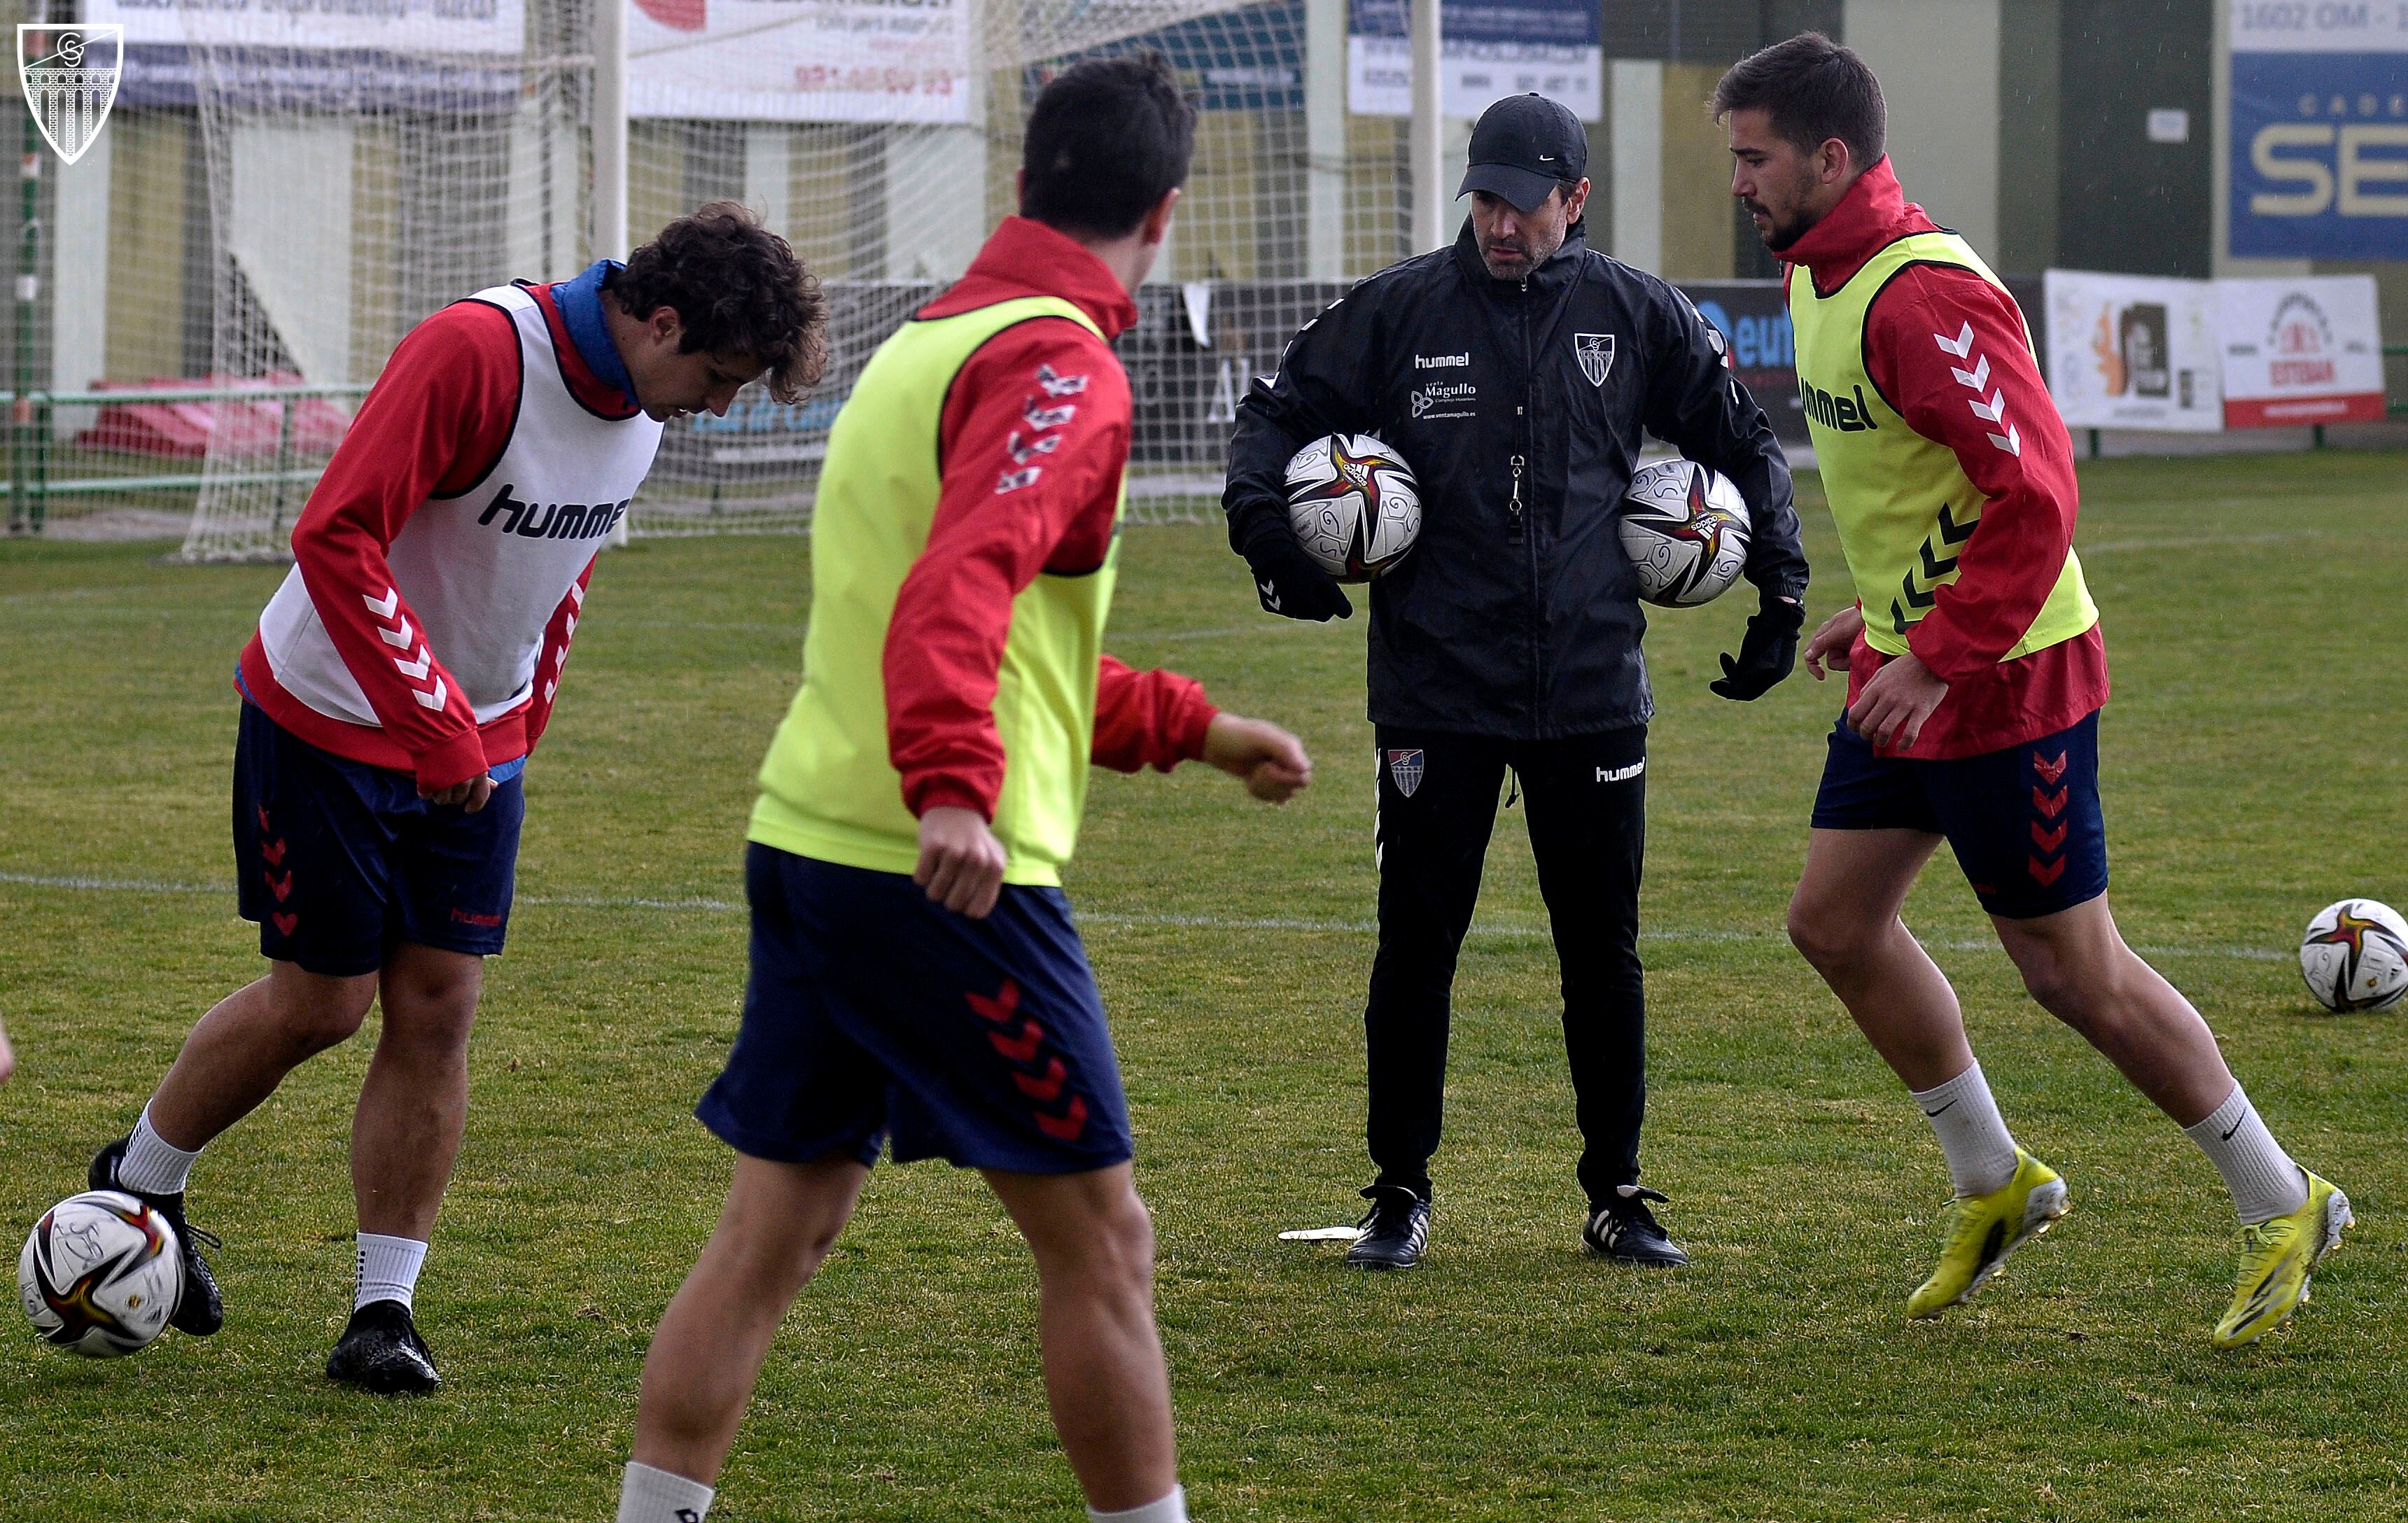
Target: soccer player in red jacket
[398, 680]
[917, 980]
[1975, 676]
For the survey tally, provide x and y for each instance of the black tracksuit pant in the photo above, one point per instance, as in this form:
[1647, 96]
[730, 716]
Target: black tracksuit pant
[1586, 803]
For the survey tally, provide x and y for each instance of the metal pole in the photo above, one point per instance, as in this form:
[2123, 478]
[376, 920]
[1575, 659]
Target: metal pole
[1430, 201]
[29, 290]
[610, 129]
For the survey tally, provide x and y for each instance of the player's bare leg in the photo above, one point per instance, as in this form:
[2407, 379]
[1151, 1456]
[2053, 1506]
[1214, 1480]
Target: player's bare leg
[414, 1104]
[1104, 1374]
[1844, 920]
[248, 1042]
[2076, 965]
[777, 1224]
[405, 1137]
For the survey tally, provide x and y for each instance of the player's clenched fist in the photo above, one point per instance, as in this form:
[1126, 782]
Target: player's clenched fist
[1266, 758]
[961, 863]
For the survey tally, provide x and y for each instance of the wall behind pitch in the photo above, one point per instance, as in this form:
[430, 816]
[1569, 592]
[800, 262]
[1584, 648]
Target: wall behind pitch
[1938, 61]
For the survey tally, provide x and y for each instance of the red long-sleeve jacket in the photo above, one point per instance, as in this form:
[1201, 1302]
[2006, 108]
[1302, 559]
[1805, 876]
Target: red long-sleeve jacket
[437, 422]
[1020, 499]
[2030, 496]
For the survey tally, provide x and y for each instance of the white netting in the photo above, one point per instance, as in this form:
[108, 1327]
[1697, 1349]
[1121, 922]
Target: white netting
[354, 193]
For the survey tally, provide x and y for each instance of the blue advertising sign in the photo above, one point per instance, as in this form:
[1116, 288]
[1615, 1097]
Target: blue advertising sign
[1249, 60]
[2319, 146]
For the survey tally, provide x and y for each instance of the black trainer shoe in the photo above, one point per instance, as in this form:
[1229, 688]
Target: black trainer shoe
[1624, 1229]
[199, 1311]
[380, 1351]
[1395, 1230]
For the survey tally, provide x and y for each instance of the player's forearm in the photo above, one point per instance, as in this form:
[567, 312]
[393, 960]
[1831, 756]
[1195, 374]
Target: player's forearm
[378, 637]
[1156, 719]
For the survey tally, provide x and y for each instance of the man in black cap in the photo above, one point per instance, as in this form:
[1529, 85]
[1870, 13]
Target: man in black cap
[1515, 372]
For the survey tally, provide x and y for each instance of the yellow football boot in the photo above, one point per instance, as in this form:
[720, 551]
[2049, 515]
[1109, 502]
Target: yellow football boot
[1983, 1229]
[2278, 1257]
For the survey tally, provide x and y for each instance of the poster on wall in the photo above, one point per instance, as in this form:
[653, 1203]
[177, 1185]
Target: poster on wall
[2319, 130]
[1486, 51]
[2301, 351]
[2132, 352]
[799, 60]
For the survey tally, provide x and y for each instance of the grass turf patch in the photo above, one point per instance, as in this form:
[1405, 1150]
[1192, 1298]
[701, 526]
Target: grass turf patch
[2253, 764]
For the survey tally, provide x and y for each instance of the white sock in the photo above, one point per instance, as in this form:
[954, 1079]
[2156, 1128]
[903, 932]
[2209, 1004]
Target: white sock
[661, 1495]
[388, 1269]
[1981, 1155]
[151, 1164]
[2264, 1181]
[1169, 1508]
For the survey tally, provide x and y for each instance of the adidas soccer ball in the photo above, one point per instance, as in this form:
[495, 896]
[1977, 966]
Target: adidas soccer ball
[2355, 955]
[1685, 528]
[100, 1274]
[1353, 505]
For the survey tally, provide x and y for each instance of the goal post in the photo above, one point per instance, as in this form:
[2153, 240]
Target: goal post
[434, 147]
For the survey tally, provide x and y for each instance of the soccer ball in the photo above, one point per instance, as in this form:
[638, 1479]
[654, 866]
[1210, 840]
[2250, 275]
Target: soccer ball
[101, 1275]
[1353, 505]
[1685, 528]
[2355, 955]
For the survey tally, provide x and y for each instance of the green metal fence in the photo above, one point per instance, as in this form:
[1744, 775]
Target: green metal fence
[44, 469]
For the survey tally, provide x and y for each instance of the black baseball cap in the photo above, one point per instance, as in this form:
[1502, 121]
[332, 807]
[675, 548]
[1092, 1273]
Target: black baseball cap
[1522, 146]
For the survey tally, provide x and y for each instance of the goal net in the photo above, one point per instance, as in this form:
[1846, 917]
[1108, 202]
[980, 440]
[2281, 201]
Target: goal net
[447, 145]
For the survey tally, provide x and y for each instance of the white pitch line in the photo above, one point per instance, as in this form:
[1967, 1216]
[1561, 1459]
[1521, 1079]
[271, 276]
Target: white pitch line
[1131, 920]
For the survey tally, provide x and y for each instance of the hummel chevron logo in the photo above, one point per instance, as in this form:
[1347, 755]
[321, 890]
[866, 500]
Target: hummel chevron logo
[576, 595]
[2010, 441]
[416, 670]
[1060, 385]
[430, 701]
[1992, 411]
[1271, 597]
[1961, 346]
[383, 609]
[1977, 378]
[399, 637]
[2049, 770]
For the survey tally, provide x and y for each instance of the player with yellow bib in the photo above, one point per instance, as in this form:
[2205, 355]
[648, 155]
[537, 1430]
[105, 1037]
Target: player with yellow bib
[917, 981]
[1975, 674]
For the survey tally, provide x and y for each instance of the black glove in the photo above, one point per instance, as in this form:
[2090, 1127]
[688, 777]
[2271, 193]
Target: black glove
[1289, 582]
[1767, 652]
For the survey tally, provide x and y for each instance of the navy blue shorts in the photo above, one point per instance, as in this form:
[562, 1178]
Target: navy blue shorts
[339, 862]
[872, 1014]
[2024, 822]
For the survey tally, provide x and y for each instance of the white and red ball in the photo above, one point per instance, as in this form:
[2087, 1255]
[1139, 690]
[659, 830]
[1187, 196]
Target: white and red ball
[1353, 505]
[2355, 955]
[1685, 528]
[100, 1274]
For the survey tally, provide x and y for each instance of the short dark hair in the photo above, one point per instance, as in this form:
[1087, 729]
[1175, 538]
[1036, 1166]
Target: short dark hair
[1107, 139]
[1813, 89]
[738, 289]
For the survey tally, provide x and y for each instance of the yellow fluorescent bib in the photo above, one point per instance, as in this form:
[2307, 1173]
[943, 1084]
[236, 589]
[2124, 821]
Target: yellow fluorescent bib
[827, 789]
[1903, 505]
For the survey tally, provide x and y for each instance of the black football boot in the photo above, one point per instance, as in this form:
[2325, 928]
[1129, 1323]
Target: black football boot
[1624, 1229]
[382, 1353]
[1395, 1230]
[199, 1311]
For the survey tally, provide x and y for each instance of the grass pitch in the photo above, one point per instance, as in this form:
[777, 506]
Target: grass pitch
[2255, 756]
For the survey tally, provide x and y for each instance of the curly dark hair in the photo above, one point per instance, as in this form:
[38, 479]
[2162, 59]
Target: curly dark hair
[740, 291]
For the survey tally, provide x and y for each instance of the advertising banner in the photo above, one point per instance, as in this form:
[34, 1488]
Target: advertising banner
[444, 27]
[2303, 351]
[1245, 60]
[1758, 344]
[2319, 129]
[2132, 351]
[1486, 51]
[799, 60]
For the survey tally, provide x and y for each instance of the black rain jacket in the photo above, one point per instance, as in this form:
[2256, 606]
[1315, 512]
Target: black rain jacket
[1519, 406]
